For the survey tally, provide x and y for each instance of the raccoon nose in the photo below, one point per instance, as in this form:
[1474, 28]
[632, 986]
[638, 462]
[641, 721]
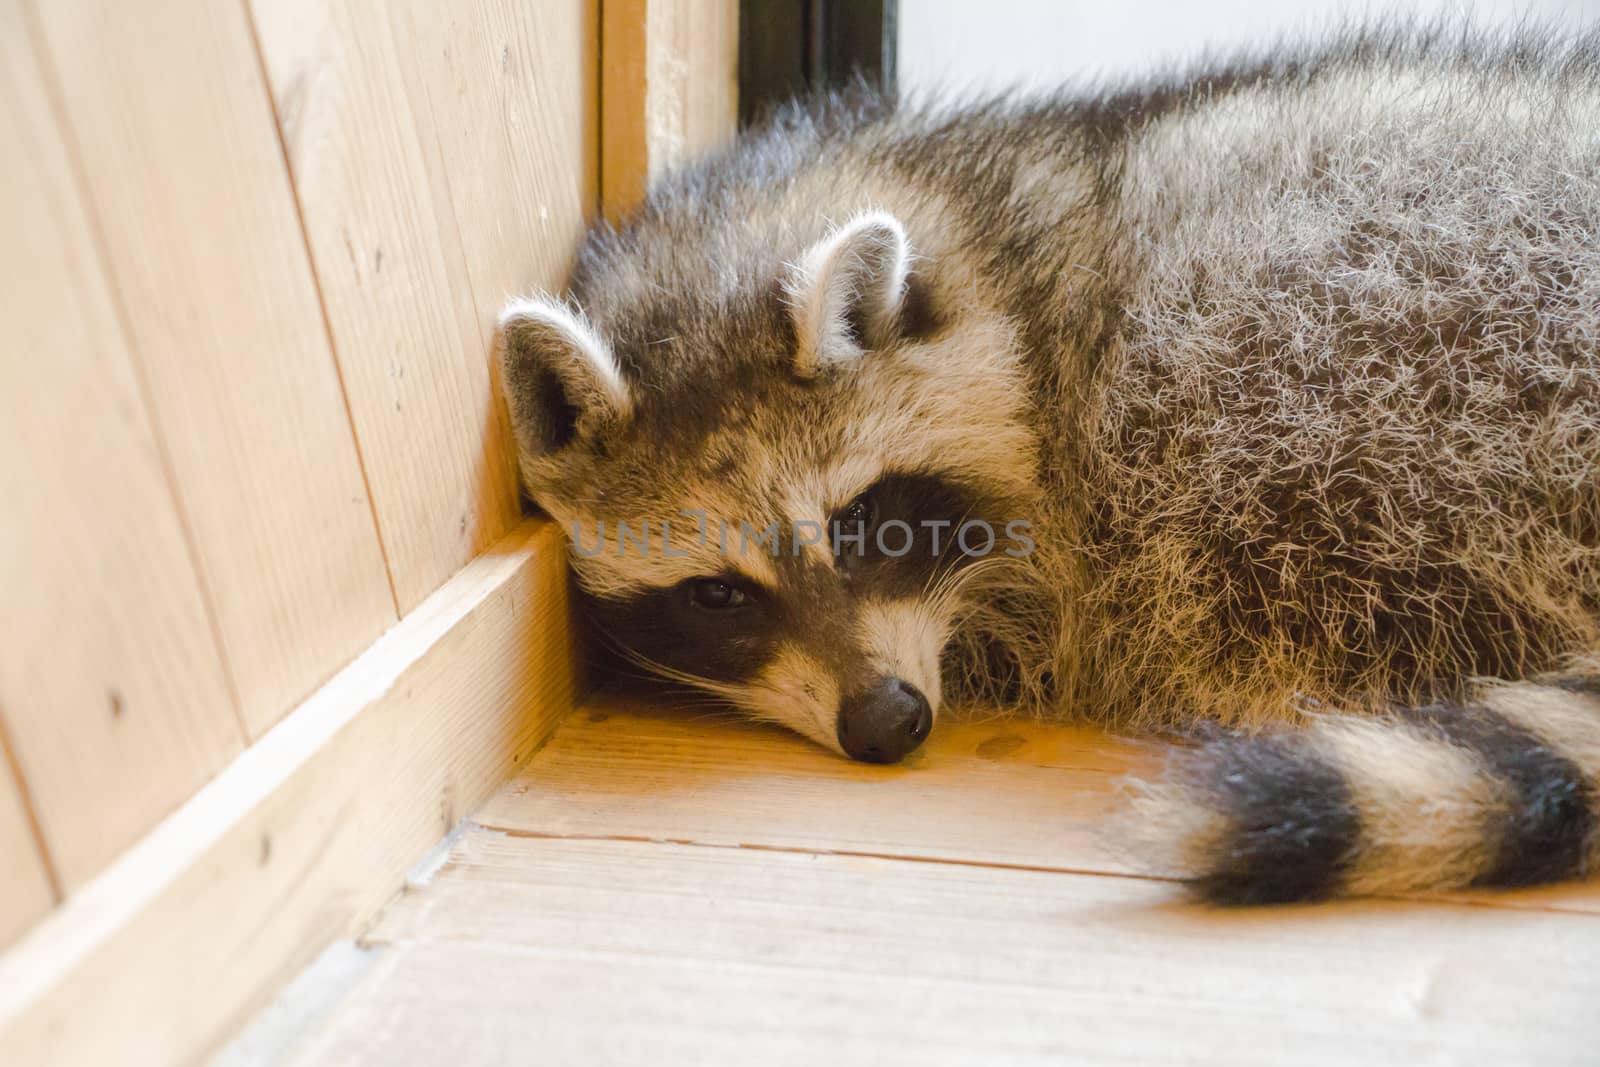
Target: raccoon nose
[883, 723]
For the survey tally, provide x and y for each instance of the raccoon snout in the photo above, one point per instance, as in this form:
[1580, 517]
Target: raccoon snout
[884, 722]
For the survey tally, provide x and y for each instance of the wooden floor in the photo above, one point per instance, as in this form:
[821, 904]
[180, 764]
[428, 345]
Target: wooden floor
[661, 887]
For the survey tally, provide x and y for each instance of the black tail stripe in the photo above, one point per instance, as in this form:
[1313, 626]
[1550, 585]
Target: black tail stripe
[1293, 826]
[1546, 834]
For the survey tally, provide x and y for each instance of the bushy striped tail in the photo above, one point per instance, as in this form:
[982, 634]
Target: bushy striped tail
[1499, 791]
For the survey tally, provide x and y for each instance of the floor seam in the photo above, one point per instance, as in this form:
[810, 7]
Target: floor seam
[1087, 872]
[645, 839]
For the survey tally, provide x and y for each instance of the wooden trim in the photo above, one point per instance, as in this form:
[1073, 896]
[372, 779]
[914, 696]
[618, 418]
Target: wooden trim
[304, 836]
[668, 90]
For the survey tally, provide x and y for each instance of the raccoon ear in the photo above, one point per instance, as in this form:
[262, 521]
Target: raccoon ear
[561, 378]
[845, 294]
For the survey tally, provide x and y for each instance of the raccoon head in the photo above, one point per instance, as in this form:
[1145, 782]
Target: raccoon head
[778, 476]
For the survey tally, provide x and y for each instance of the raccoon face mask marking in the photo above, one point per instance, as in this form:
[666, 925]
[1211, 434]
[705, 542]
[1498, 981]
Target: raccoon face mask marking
[846, 650]
[763, 483]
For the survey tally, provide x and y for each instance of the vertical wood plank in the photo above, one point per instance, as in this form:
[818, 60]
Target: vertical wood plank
[112, 691]
[669, 89]
[515, 124]
[173, 126]
[404, 323]
[25, 891]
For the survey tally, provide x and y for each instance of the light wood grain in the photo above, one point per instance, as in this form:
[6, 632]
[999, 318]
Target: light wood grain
[511, 100]
[25, 889]
[1002, 792]
[669, 90]
[384, 240]
[990, 790]
[112, 692]
[610, 952]
[304, 836]
[168, 113]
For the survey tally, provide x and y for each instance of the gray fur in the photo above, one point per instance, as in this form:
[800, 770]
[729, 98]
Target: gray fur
[1294, 364]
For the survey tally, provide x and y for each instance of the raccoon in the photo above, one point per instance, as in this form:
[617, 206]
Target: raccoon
[1267, 398]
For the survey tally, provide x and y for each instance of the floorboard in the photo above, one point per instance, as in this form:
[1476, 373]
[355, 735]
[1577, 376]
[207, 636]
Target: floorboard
[999, 791]
[660, 886]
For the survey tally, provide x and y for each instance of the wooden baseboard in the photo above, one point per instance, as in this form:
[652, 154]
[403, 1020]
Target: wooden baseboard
[306, 834]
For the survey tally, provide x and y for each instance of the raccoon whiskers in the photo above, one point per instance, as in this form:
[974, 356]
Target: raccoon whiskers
[1291, 362]
[733, 694]
[950, 587]
[755, 698]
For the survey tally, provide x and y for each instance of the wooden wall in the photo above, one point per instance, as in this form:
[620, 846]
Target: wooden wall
[247, 419]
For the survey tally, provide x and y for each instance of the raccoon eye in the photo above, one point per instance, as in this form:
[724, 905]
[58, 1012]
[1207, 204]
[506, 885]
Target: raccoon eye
[714, 594]
[857, 516]
[850, 525]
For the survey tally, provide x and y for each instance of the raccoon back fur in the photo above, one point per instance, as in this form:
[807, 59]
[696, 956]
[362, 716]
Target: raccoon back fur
[1290, 366]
